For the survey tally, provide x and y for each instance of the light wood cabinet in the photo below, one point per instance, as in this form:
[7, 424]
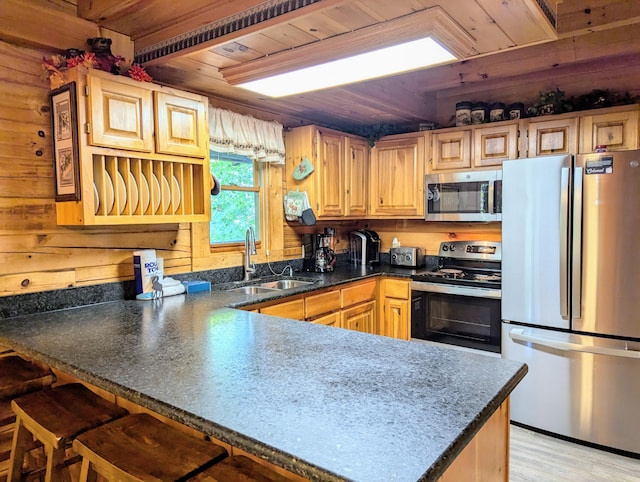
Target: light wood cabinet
[357, 172]
[495, 143]
[397, 176]
[395, 320]
[360, 317]
[332, 319]
[451, 149]
[337, 186]
[293, 309]
[552, 136]
[481, 146]
[143, 153]
[322, 303]
[616, 128]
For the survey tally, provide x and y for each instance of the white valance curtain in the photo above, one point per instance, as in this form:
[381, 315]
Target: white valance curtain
[246, 135]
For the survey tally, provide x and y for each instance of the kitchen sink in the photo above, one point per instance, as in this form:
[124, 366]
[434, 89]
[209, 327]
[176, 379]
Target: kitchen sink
[285, 284]
[254, 290]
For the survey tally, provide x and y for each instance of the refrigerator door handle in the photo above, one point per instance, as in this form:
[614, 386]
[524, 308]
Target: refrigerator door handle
[576, 262]
[520, 334]
[564, 243]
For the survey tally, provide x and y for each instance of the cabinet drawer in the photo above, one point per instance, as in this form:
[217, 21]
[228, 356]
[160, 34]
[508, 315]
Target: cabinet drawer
[357, 293]
[289, 309]
[396, 288]
[322, 303]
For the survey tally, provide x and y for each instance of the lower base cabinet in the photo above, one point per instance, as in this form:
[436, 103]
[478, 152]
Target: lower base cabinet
[395, 320]
[360, 317]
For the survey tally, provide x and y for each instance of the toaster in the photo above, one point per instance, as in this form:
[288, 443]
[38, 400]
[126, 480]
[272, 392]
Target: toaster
[406, 257]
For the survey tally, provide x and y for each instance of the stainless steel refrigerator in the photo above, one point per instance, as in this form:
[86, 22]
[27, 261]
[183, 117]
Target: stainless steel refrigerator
[571, 294]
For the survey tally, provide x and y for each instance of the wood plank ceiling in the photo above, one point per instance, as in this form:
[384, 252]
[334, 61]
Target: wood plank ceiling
[195, 47]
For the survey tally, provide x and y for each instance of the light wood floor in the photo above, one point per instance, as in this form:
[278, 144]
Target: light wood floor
[539, 458]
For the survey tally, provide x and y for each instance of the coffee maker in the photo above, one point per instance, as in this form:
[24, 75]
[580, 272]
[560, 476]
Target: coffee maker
[319, 255]
[364, 247]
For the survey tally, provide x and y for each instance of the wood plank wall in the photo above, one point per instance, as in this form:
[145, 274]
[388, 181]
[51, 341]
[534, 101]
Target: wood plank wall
[35, 253]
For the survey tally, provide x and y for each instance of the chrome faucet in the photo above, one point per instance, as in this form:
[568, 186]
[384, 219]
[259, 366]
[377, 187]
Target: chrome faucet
[249, 249]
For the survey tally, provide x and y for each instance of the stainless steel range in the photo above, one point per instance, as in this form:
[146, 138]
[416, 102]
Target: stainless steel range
[459, 302]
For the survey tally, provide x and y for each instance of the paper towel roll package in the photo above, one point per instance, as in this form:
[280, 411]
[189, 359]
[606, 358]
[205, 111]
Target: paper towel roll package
[145, 269]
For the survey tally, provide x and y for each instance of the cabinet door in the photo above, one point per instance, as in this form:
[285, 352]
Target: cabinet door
[360, 317]
[492, 145]
[397, 177]
[332, 319]
[357, 164]
[451, 150]
[550, 137]
[289, 309]
[396, 318]
[181, 125]
[617, 130]
[119, 114]
[330, 176]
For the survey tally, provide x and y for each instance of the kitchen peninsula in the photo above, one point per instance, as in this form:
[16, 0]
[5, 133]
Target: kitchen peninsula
[324, 403]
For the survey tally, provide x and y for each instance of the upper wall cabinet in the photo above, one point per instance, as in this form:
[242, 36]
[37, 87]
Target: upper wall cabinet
[397, 176]
[337, 186]
[549, 136]
[616, 128]
[143, 153]
[474, 146]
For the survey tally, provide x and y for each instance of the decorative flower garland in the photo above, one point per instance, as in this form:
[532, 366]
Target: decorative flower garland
[54, 68]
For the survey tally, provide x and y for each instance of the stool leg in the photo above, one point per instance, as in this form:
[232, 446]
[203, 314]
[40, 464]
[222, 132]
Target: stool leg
[55, 466]
[21, 441]
[87, 474]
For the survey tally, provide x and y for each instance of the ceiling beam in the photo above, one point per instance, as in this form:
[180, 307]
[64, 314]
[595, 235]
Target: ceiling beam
[434, 22]
[578, 16]
[22, 23]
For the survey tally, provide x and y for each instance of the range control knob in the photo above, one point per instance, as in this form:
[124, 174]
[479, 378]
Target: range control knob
[452, 247]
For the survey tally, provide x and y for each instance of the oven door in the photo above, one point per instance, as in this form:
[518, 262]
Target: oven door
[462, 316]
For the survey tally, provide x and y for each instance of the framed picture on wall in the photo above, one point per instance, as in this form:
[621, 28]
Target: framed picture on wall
[65, 142]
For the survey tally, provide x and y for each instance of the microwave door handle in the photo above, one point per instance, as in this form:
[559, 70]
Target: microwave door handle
[576, 262]
[490, 194]
[564, 243]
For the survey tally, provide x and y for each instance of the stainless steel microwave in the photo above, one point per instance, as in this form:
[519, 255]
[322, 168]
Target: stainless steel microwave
[464, 196]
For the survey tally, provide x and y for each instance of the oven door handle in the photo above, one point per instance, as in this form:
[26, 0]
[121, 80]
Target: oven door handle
[456, 290]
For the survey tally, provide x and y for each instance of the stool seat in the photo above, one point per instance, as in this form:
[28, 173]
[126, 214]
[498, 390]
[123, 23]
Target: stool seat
[55, 417]
[19, 376]
[238, 469]
[140, 447]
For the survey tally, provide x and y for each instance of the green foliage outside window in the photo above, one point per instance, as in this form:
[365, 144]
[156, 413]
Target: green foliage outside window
[237, 206]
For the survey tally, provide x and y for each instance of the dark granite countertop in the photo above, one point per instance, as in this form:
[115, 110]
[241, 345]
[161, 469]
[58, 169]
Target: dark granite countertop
[326, 403]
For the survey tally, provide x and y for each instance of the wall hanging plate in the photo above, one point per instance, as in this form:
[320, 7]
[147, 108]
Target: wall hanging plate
[144, 193]
[155, 186]
[176, 194]
[134, 196]
[121, 191]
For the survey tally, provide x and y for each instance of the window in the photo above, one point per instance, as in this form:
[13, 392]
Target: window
[238, 205]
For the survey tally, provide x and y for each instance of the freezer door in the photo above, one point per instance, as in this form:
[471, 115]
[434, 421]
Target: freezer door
[577, 386]
[535, 224]
[606, 296]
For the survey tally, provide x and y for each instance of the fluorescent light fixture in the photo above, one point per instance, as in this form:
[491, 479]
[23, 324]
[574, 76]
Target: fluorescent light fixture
[399, 58]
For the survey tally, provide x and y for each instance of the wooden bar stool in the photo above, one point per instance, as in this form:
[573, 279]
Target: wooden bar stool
[139, 448]
[17, 377]
[55, 417]
[238, 469]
